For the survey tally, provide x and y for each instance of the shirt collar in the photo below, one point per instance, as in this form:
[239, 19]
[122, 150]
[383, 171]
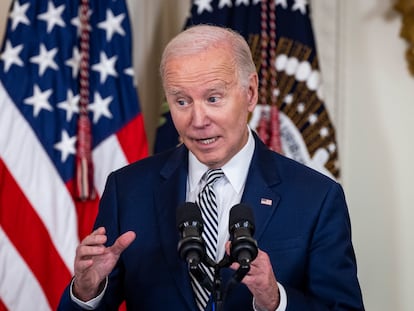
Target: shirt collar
[235, 170]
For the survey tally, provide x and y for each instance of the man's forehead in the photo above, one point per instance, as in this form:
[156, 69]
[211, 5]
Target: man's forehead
[213, 85]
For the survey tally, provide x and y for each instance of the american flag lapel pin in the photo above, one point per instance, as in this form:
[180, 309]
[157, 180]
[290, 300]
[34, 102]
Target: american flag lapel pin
[265, 201]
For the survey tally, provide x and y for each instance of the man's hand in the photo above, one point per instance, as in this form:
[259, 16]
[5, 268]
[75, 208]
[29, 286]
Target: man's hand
[94, 261]
[261, 281]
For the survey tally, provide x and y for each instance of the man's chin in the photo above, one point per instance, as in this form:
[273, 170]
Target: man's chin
[207, 159]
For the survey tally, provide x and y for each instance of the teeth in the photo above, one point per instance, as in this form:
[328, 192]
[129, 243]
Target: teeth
[207, 141]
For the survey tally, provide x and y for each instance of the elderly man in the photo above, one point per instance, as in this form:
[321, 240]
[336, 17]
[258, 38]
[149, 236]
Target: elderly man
[305, 258]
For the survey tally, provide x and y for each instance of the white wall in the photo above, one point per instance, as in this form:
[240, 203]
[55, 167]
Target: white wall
[369, 92]
[378, 151]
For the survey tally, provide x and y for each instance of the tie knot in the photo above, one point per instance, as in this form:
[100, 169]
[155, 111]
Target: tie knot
[213, 175]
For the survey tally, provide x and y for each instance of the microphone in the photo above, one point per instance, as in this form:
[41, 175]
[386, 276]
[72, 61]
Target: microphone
[241, 227]
[190, 225]
[191, 247]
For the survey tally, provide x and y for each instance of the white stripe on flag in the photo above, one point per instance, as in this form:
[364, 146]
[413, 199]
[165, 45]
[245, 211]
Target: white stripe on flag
[15, 274]
[37, 177]
[107, 157]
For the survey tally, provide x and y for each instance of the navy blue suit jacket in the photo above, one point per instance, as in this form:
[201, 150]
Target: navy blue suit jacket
[305, 230]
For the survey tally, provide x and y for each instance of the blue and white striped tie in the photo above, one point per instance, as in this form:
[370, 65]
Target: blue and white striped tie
[206, 200]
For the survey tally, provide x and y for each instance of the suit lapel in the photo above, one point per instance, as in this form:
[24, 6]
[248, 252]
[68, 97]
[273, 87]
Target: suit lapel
[172, 193]
[260, 189]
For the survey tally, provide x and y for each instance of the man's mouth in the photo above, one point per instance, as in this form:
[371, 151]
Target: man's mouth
[207, 141]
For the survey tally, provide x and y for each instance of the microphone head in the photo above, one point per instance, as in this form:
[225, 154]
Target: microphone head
[243, 247]
[190, 224]
[241, 213]
[188, 212]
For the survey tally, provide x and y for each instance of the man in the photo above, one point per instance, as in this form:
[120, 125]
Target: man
[305, 259]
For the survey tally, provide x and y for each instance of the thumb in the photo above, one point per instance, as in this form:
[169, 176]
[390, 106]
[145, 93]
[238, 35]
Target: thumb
[122, 242]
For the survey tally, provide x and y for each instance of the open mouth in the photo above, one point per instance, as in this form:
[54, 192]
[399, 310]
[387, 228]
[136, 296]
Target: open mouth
[207, 141]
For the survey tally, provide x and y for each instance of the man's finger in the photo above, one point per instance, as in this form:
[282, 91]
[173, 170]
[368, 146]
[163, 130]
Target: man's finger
[123, 242]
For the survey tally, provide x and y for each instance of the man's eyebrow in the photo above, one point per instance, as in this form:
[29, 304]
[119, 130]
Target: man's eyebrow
[174, 91]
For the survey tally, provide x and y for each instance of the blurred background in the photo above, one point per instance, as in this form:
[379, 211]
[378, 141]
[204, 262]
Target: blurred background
[369, 95]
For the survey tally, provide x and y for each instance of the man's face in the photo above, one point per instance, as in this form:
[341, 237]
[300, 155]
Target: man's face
[208, 105]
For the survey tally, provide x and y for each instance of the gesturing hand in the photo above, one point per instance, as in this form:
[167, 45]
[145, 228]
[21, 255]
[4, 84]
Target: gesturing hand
[94, 261]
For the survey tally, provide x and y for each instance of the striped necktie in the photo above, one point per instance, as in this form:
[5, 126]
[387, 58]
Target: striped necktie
[206, 200]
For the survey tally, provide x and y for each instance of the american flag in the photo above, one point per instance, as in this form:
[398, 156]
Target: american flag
[291, 117]
[41, 222]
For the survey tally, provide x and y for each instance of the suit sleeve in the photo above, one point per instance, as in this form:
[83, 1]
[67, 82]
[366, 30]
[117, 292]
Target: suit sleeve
[331, 279]
[107, 217]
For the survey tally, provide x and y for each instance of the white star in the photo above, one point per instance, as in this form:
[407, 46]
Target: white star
[10, 55]
[203, 5]
[332, 147]
[39, 100]
[300, 5]
[240, 2]
[66, 145]
[100, 107]
[18, 15]
[112, 24]
[70, 105]
[283, 3]
[313, 118]
[301, 108]
[52, 16]
[324, 132]
[77, 23]
[106, 66]
[129, 71]
[289, 99]
[74, 62]
[45, 59]
[224, 3]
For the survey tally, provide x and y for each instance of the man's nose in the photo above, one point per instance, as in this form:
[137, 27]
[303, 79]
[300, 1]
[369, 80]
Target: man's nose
[199, 114]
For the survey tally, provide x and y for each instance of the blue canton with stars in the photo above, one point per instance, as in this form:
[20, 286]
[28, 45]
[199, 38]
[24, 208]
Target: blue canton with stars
[39, 68]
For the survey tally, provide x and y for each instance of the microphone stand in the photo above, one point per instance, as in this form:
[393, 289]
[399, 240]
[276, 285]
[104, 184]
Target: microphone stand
[216, 287]
[218, 294]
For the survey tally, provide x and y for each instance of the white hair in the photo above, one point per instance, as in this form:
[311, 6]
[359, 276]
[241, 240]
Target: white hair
[200, 38]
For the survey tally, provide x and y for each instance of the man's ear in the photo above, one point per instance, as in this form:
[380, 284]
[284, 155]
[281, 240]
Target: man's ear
[253, 91]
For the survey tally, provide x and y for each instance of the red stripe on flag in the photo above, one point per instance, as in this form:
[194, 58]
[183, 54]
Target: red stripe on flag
[133, 140]
[86, 212]
[30, 237]
[2, 306]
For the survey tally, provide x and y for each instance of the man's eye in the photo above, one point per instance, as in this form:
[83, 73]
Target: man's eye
[181, 102]
[213, 99]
